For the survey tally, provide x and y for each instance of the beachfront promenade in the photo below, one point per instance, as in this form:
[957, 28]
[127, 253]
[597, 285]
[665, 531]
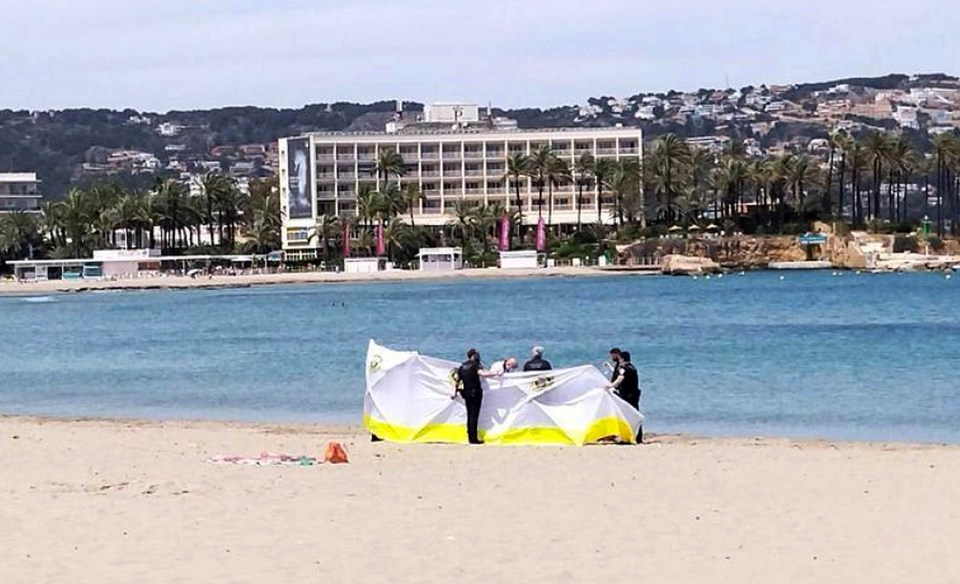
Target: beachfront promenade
[115, 501]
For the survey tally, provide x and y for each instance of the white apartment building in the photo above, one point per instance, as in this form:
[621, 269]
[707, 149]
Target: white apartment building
[19, 191]
[321, 173]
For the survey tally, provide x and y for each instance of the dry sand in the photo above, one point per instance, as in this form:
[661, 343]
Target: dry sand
[183, 282]
[106, 501]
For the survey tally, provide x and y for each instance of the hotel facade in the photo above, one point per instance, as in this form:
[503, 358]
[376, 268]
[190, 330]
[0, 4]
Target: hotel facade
[452, 155]
[19, 191]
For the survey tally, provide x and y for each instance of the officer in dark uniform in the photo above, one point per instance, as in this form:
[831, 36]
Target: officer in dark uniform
[627, 385]
[537, 362]
[469, 385]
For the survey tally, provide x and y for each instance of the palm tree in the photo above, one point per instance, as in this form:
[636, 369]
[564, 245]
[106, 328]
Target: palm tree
[801, 173]
[902, 163]
[517, 167]
[412, 196]
[557, 174]
[843, 144]
[389, 162]
[538, 167]
[326, 228]
[626, 186]
[583, 168]
[18, 233]
[367, 203]
[942, 149]
[603, 169]
[878, 150]
[671, 155]
[463, 219]
[834, 141]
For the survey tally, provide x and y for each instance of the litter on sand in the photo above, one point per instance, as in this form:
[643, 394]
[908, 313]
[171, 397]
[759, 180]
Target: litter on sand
[333, 454]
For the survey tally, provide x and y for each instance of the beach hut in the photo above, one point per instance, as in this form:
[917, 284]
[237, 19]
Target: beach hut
[440, 259]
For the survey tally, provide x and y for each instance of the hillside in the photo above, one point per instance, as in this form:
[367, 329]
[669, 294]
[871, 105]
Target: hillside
[82, 145]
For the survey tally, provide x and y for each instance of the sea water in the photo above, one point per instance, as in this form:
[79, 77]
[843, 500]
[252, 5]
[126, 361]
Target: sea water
[866, 357]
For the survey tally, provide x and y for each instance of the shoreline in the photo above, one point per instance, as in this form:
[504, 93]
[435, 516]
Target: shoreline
[357, 431]
[297, 278]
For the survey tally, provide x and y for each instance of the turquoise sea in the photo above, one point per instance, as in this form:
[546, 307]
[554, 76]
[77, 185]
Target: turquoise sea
[865, 357]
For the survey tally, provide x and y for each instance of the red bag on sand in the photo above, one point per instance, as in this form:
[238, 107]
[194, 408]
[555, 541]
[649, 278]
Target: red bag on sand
[335, 454]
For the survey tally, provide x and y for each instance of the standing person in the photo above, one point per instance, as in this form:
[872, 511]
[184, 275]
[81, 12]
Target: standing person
[627, 386]
[537, 362]
[470, 387]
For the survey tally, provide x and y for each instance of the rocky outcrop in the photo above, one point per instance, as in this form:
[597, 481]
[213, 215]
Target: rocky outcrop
[680, 265]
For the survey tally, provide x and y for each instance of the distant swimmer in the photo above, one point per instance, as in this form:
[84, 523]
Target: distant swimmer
[469, 385]
[537, 362]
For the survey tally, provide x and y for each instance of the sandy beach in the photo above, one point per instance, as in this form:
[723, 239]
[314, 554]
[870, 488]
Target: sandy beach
[183, 282]
[115, 501]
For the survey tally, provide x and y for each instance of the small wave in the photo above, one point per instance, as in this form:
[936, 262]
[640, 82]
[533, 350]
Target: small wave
[40, 299]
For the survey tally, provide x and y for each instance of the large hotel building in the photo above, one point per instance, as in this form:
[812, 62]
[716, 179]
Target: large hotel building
[452, 152]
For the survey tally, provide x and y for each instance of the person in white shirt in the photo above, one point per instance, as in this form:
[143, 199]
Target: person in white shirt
[502, 366]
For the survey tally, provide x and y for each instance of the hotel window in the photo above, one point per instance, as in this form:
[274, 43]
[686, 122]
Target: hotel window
[494, 185]
[431, 204]
[298, 234]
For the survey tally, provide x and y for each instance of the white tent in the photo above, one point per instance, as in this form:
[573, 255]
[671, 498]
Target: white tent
[408, 399]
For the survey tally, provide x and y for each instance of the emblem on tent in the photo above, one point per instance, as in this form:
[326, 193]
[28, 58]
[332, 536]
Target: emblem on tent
[543, 384]
[375, 363]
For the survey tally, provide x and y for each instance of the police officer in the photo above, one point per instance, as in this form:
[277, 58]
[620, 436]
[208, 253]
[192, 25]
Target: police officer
[537, 362]
[627, 385]
[470, 387]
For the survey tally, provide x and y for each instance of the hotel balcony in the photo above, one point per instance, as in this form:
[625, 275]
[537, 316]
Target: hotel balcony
[429, 155]
[326, 195]
[606, 151]
[473, 154]
[325, 158]
[430, 174]
[474, 172]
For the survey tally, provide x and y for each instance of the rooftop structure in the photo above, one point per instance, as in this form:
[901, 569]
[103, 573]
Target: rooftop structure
[19, 191]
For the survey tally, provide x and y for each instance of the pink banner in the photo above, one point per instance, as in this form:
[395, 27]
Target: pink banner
[381, 246]
[541, 235]
[504, 232]
[346, 240]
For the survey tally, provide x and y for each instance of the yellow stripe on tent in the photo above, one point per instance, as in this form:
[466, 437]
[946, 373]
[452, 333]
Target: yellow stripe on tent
[457, 433]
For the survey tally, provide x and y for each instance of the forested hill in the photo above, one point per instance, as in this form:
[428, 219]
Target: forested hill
[82, 145]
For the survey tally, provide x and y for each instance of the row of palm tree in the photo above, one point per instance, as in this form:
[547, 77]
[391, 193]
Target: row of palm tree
[217, 215]
[863, 180]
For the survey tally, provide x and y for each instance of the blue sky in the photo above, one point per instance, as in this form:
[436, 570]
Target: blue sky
[186, 54]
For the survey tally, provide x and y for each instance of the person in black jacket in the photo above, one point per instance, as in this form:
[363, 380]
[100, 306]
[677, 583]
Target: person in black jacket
[470, 386]
[537, 362]
[627, 385]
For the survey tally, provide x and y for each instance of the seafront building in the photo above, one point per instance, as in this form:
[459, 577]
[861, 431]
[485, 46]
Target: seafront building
[19, 191]
[453, 152]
